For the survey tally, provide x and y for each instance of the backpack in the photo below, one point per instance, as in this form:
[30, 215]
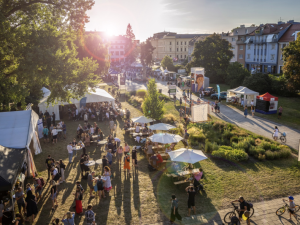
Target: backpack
[89, 217]
[235, 221]
[42, 181]
[99, 185]
[250, 205]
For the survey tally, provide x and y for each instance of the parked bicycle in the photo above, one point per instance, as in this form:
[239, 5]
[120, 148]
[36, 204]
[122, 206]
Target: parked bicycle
[282, 137]
[234, 212]
[285, 207]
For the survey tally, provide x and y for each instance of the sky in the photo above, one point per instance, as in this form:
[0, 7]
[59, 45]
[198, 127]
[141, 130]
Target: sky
[186, 16]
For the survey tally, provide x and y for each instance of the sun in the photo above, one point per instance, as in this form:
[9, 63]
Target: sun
[110, 31]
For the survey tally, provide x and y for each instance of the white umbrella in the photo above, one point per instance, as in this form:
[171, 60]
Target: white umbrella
[165, 138]
[187, 155]
[142, 119]
[161, 126]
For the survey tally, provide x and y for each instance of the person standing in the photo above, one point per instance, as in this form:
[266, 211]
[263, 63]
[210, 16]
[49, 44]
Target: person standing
[85, 117]
[31, 206]
[49, 163]
[45, 134]
[64, 127]
[62, 167]
[38, 188]
[76, 114]
[53, 118]
[279, 112]
[70, 218]
[127, 162]
[70, 151]
[174, 210]
[109, 157]
[244, 207]
[252, 110]
[111, 126]
[120, 154]
[191, 200]
[245, 111]
[54, 135]
[107, 174]
[78, 199]
[89, 216]
[19, 195]
[133, 157]
[219, 105]
[100, 187]
[53, 194]
[90, 183]
[48, 121]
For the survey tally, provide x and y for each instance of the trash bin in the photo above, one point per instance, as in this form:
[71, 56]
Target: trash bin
[160, 90]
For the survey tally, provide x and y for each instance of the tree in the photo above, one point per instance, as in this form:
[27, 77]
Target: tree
[214, 54]
[37, 49]
[258, 82]
[146, 55]
[167, 62]
[291, 67]
[236, 74]
[130, 49]
[153, 106]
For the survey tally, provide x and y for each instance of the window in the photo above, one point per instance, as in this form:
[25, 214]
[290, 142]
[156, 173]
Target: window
[177, 49]
[248, 56]
[272, 56]
[185, 42]
[241, 47]
[181, 56]
[246, 31]
[273, 46]
[170, 49]
[112, 52]
[233, 47]
[240, 56]
[185, 56]
[248, 47]
[181, 49]
[233, 56]
[170, 43]
[233, 39]
[121, 53]
[185, 49]
[117, 53]
[181, 44]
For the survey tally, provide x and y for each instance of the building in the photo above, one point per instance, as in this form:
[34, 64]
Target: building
[289, 36]
[192, 45]
[172, 44]
[237, 38]
[261, 53]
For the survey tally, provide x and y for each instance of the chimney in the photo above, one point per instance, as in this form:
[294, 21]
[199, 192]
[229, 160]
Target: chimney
[242, 26]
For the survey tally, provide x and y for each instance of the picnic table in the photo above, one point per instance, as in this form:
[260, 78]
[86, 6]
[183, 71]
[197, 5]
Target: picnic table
[141, 134]
[90, 163]
[77, 148]
[103, 142]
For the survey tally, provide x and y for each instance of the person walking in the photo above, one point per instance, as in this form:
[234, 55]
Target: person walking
[252, 110]
[54, 135]
[70, 151]
[107, 174]
[68, 218]
[111, 126]
[19, 195]
[53, 194]
[100, 187]
[90, 183]
[62, 167]
[279, 112]
[191, 200]
[219, 105]
[133, 157]
[38, 188]
[31, 206]
[49, 163]
[109, 157]
[89, 216]
[245, 111]
[174, 210]
[78, 199]
[276, 131]
[120, 154]
[127, 162]
[45, 134]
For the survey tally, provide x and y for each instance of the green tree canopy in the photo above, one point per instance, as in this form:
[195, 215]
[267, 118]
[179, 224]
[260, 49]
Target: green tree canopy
[214, 54]
[291, 68]
[153, 106]
[236, 74]
[258, 82]
[37, 49]
[167, 62]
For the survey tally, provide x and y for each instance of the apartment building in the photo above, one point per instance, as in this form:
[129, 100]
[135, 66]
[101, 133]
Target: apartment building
[289, 36]
[237, 38]
[172, 44]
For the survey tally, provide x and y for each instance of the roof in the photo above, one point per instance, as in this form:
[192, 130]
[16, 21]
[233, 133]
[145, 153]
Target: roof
[190, 35]
[271, 28]
[197, 38]
[11, 161]
[161, 35]
[243, 90]
[17, 128]
[267, 97]
[289, 35]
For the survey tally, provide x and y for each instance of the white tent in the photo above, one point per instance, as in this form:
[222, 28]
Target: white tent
[248, 95]
[18, 128]
[99, 95]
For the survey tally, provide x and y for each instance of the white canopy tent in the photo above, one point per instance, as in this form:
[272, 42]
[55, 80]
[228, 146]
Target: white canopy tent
[99, 95]
[239, 91]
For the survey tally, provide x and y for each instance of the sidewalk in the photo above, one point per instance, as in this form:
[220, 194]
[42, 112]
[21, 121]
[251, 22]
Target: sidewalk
[254, 124]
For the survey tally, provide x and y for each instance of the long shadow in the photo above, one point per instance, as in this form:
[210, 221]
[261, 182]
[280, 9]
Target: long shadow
[118, 188]
[136, 190]
[127, 199]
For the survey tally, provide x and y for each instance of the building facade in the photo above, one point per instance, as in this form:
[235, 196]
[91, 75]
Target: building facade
[172, 44]
[289, 36]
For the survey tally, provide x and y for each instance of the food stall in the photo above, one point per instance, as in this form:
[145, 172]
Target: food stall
[237, 94]
[266, 104]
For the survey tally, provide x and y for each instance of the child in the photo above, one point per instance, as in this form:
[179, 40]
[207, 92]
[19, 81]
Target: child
[292, 207]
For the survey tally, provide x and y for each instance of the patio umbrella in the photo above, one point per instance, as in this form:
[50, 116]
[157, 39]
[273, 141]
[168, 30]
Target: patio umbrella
[165, 138]
[161, 126]
[187, 155]
[142, 119]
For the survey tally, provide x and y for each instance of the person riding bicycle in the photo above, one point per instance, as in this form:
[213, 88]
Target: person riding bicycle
[291, 207]
[244, 209]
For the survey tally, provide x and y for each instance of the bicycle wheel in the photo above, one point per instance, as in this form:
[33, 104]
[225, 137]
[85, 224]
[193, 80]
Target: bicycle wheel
[251, 212]
[297, 207]
[280, 211]
[283, 139]
[228, 216]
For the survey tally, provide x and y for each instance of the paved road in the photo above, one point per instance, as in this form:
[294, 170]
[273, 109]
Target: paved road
[254, 124]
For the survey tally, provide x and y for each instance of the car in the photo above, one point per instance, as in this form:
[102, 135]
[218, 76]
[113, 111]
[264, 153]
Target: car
[208, 91]
[223, 95]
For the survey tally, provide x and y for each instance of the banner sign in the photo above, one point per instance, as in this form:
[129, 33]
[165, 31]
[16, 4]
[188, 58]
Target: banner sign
[218, 91]
[172, 89]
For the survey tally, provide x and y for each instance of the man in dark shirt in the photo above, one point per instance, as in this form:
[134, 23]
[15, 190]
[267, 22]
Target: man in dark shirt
[53, 118]
[49, 163]
[191, 200]
[243, 208]
[47, 113]
[48, 119]
[41, 115]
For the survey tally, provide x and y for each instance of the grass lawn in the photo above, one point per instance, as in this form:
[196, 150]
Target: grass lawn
[145, 197]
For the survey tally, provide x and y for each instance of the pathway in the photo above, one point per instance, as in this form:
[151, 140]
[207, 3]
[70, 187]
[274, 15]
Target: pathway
[254, 124]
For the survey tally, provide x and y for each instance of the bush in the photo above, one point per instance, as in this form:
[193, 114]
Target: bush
[141, 93]
[260, 150]
[261, 157]
[194, 131]
[269, 155]
[197, 138]
[275, 148]
[245, 145]
[257, 141]
[232, 155]
[252, 151]
[224, 147]
[229, 126]
[285, 153]
[209, 147]
[227, 134]
[218, 125]
[250, 140]
[265, 145]
[168, 118]
[234, 139]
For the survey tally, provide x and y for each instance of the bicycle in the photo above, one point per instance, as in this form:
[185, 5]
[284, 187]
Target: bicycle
[282, 137]
[229, 215]
[284, 208]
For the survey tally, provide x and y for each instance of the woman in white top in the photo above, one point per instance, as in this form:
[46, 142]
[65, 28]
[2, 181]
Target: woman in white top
[54, 135]
[92, 129]
[85, 117]
[137, 129]
[276, 131]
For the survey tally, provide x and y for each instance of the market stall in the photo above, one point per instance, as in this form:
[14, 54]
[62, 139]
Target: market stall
[266, 104]
[242, 93]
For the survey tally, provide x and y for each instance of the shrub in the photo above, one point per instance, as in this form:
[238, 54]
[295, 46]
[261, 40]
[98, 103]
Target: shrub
[234, 139]
[232, 155]
[229, 126]
[224, 147]
[245, 145]
[141, 93]
[218, 125]
[269, 155]
[275, 148]
[285, 153]
[209, 147]
[265, 145]
[261, 157]
[194, 131]
[260, 150]
[227, 134]
[197, 138]
[250, 140]
[276, 155]
[168, 118]
[257, 141]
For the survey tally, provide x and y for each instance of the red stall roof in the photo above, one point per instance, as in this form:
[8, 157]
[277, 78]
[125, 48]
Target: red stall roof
[267, 97]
